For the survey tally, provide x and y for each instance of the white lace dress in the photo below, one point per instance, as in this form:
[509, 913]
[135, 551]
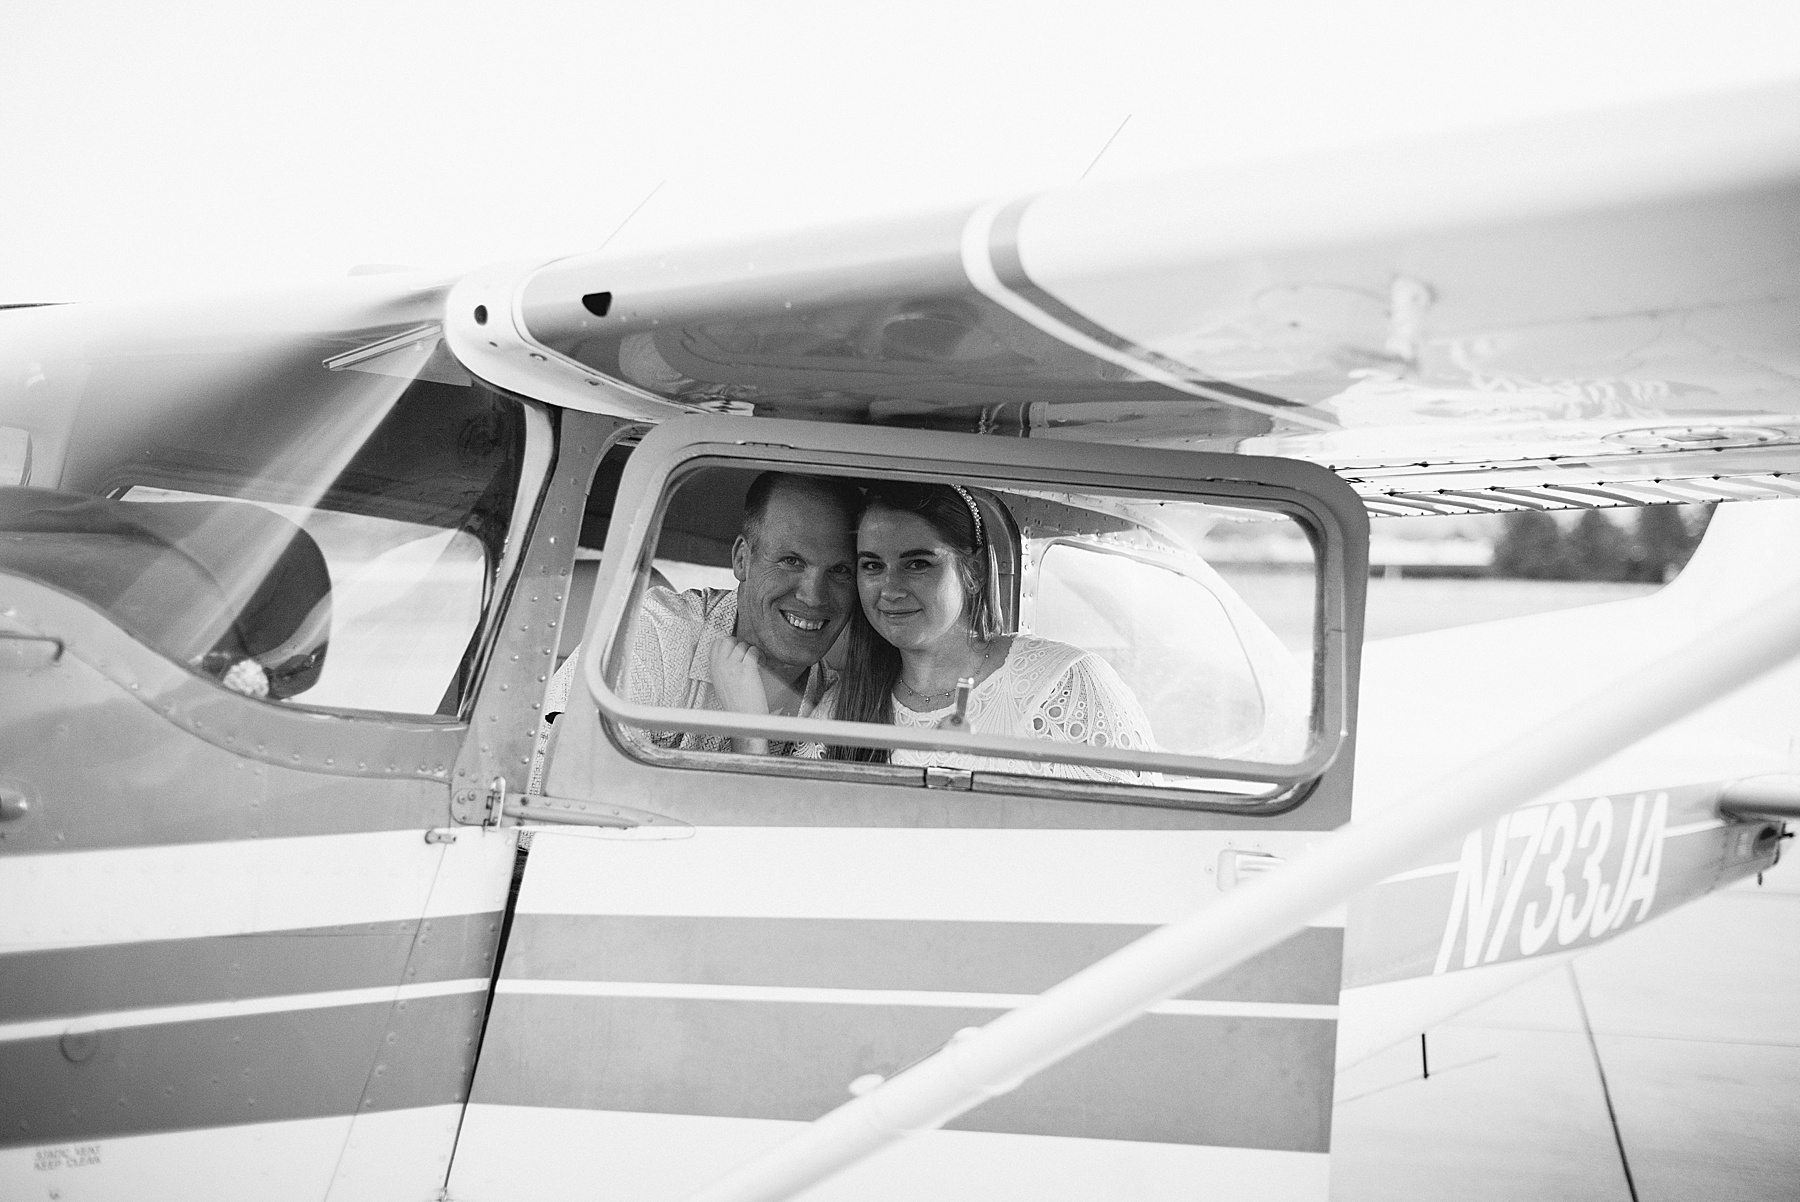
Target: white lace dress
[1042, 690]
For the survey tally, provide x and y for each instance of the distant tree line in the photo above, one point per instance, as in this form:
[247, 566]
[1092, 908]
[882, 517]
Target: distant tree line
[1653, 548]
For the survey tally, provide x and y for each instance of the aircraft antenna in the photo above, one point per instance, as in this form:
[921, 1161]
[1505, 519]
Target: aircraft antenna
[634, 212]
[1108, 146]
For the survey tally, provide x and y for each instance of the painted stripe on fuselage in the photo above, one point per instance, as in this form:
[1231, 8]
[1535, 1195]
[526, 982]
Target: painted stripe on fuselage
[175, 972]
[251, 1068]
[149, 1016]
[1244, 1082]
[1419, 874]
[588, 1155]
[1147, 877]
[972, 957]
[879, 997]
[200, 890]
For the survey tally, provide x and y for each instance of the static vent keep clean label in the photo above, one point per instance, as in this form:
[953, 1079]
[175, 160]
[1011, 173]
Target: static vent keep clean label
[66, 1156]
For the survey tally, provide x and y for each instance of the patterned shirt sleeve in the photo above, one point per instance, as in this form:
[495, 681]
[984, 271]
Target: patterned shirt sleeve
[648, 678]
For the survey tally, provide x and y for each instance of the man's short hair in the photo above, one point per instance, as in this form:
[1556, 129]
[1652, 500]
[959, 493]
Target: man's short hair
[832, 490]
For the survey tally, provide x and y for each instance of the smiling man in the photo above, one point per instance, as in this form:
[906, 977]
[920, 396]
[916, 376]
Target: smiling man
[795, 565]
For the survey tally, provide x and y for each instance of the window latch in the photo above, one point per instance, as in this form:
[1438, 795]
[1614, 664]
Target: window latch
[961, 779]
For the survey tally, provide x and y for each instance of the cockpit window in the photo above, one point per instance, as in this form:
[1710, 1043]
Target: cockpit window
[404, 601]
[314, 519]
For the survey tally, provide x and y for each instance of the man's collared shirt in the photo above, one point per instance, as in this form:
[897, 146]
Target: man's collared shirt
[671, 657]
[671, 663]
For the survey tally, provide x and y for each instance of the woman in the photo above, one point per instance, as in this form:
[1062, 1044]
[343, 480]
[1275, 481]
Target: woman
[926, 579]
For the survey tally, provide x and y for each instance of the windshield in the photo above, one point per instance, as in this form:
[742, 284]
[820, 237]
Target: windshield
[313, 514]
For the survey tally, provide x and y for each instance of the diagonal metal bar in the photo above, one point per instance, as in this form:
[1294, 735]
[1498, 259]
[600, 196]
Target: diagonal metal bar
[1542, 500]
[1435, 506]
[1112, 992]
[1444, 502]
[1669, 490]
[1498, 504]
[1610, 496]
[1776, 482]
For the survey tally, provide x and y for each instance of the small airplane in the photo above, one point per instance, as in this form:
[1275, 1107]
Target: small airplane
[305, 902]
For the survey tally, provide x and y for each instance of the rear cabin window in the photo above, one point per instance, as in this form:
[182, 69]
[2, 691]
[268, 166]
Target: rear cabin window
[1174, 639]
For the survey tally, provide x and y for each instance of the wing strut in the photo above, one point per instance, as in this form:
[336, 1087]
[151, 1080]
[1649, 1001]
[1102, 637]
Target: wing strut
[1112, 992]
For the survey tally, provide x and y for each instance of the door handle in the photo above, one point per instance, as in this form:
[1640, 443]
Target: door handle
[27, 653]
[1237, 866]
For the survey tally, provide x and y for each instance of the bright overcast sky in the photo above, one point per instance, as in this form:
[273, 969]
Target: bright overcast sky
[176, 146]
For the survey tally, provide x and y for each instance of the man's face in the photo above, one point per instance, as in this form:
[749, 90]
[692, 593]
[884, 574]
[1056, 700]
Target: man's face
[797, 579]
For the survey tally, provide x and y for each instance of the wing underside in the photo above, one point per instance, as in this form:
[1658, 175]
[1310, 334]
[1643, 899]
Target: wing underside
[1593, 313]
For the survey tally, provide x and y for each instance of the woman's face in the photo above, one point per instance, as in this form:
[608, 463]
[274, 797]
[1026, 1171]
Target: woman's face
[907, 579]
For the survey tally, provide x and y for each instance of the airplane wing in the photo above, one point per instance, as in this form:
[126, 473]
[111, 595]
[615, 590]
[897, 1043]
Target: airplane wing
[1581, 313]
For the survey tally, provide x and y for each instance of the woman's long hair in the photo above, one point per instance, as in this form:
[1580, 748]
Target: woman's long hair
[872, 664]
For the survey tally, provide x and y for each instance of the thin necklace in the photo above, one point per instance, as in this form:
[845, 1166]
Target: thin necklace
[927, 698]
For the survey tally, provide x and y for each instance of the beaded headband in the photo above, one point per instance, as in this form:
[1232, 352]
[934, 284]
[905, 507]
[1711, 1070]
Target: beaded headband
[974, 511]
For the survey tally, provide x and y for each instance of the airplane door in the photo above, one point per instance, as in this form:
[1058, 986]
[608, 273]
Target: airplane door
[753, 943]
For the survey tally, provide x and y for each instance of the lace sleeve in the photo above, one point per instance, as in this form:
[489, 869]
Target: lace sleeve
[1090, 704]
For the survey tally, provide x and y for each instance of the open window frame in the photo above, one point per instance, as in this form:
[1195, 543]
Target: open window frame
[1323, 505]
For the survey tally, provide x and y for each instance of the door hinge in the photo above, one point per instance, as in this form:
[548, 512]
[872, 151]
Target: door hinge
[496, 802]
[569, 811]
